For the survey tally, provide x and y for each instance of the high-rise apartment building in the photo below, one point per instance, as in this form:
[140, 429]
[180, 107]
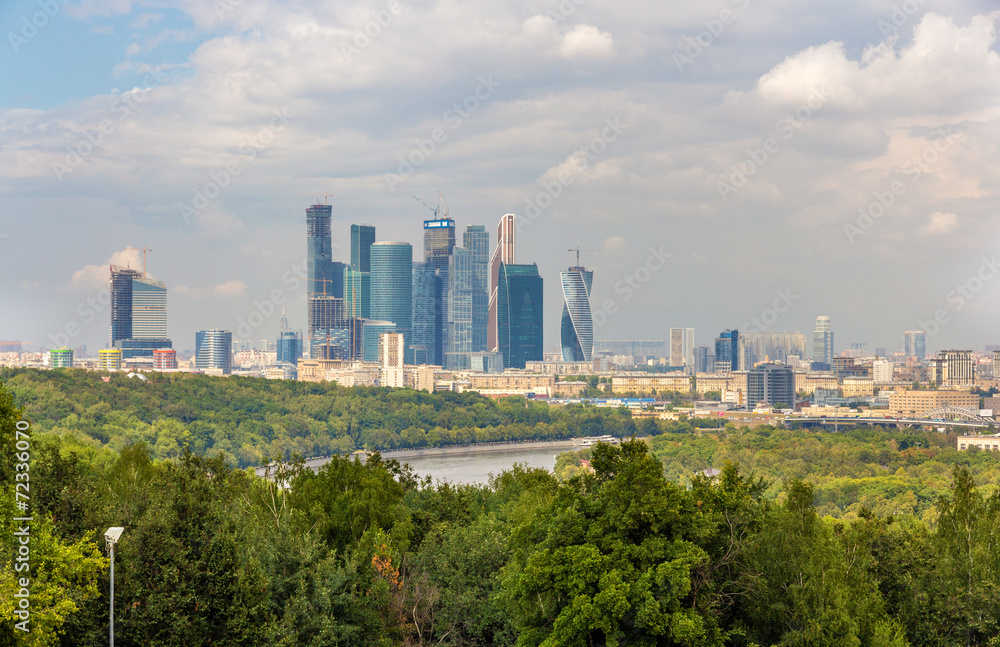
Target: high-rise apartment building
[882, 371]
[372, 330]
[728, 351]
[576, 330]
[823, 340]
[109, 359]
[502, 254]
[214, 350]
[390, 350]
[774, 346]
[996, 364]
[519, 314]
[164, 359]
[960, 368]
[61, 358]
[915, 344]
[689, 347]
[392, 285]
[677, 347]
[477, 240]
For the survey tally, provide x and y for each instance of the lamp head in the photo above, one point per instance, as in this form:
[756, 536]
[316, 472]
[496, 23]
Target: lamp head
[112, 534]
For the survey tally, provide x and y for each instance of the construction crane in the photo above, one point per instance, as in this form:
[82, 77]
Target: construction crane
[436, 210]
[317, 196]
[443, 205]
[578, 250]
[144, 249]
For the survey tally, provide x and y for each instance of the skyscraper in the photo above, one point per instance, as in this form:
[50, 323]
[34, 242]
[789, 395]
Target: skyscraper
[503, 253]
[357, 292]
[915, 344]
[439, 241]
[771, 384]
[689, 347]
[823, 340]
[319, 250]
[677, 347]
[477, 240]
[727, 351]
[576, 329]
[289, 346]
[392, 285]
[424, 315]
[214, 349]
[121, 303]
[519, 314]
[329, 336]
[458, 326]
[138, 313]
[149, 309]
[362, 238]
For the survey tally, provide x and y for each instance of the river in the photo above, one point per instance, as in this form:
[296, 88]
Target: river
[476, 468]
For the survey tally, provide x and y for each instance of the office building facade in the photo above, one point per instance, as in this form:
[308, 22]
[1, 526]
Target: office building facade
[728, 351]
[392, 285]
[519, 314]
[214, 350]
[459, 320]
[503, 253]
[915, 344]
[823, 341]
[576, 330]
[477, 240]
[362, 239]
[771, 384]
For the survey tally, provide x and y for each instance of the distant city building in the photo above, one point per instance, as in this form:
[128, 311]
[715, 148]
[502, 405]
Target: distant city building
[727, 351]
[109, 359]
[677, 347]
[701, 356]
[634, 347]
[823, 340]
[577, 325]
[996, 364]
[774, 346]
[319, 251]
[486, 362]
[882, 371]
[771, 383]
[164, 359]
[289, 347]
[477, 240]
[357, 293]
[392, 285]
[329, 336]
[372, 331]
[424, 297]
[138, 313]
[502, 254]
[214, 350]
[391, 350]
[960, 369]
[61, 358]
[519, 314]
[689, 347]
[915, 344]
[362, 239]
[459, 320]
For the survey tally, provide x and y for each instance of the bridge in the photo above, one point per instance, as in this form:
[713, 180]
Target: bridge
[934, 418]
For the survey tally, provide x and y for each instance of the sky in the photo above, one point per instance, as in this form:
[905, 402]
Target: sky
[746, 164]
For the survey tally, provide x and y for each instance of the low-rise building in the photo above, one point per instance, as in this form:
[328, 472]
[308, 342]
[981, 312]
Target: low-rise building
[857, 387]
[915, 404]
[983, 443]
[645, 383]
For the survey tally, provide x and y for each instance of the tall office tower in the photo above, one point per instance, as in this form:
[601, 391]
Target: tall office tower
[60, 358]
[701, 359]
[439, 241]
[362, 238]
[774, 346]
[577, 327]
[727, 351]
[214, 349]
[771, 384]
[121, 303]
[149, 309]
[689, 347]
[392, 285]
[319, 251]
[823, 340]
[503, 253]
[915, 344]
[996, 363]
[371, 331]
[960, 368]
[477, 240]
[677, 347]
[424, 315]
[519, 314]
[289, 346]
[458, 328]
[329, 336]
[357, 292]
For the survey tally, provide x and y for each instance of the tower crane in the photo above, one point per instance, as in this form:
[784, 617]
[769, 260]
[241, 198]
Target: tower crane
[143, 249]
[578, 250]
[436, 210]
[323, 195]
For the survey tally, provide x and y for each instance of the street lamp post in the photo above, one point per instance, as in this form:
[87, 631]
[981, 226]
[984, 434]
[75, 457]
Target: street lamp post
[112, 536]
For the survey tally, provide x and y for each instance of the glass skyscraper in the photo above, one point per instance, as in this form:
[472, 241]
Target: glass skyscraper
[357, 285]
[577, 327]
[424, 314]
[362, 238]
[149, 309]
[392, 285]
[214, 349]
[519, 314]
[504, 253]
[727, 351]
[319, 250]
[477, 240]
[823, 341]
[121, 303]
[458, 329]
[138, 313]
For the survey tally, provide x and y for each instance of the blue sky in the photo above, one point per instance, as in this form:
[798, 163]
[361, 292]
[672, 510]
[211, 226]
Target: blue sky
[118, 114]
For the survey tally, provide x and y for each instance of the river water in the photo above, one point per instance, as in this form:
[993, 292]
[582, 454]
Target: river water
[476, 468]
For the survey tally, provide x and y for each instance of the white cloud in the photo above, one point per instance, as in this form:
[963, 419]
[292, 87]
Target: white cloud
[587, 41]
[229, 289]
[939, 223]
[96, 277]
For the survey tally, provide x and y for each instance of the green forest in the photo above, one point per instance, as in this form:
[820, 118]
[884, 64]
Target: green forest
[634, 550]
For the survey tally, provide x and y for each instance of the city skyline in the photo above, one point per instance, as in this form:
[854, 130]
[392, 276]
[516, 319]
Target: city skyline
[784, 163]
